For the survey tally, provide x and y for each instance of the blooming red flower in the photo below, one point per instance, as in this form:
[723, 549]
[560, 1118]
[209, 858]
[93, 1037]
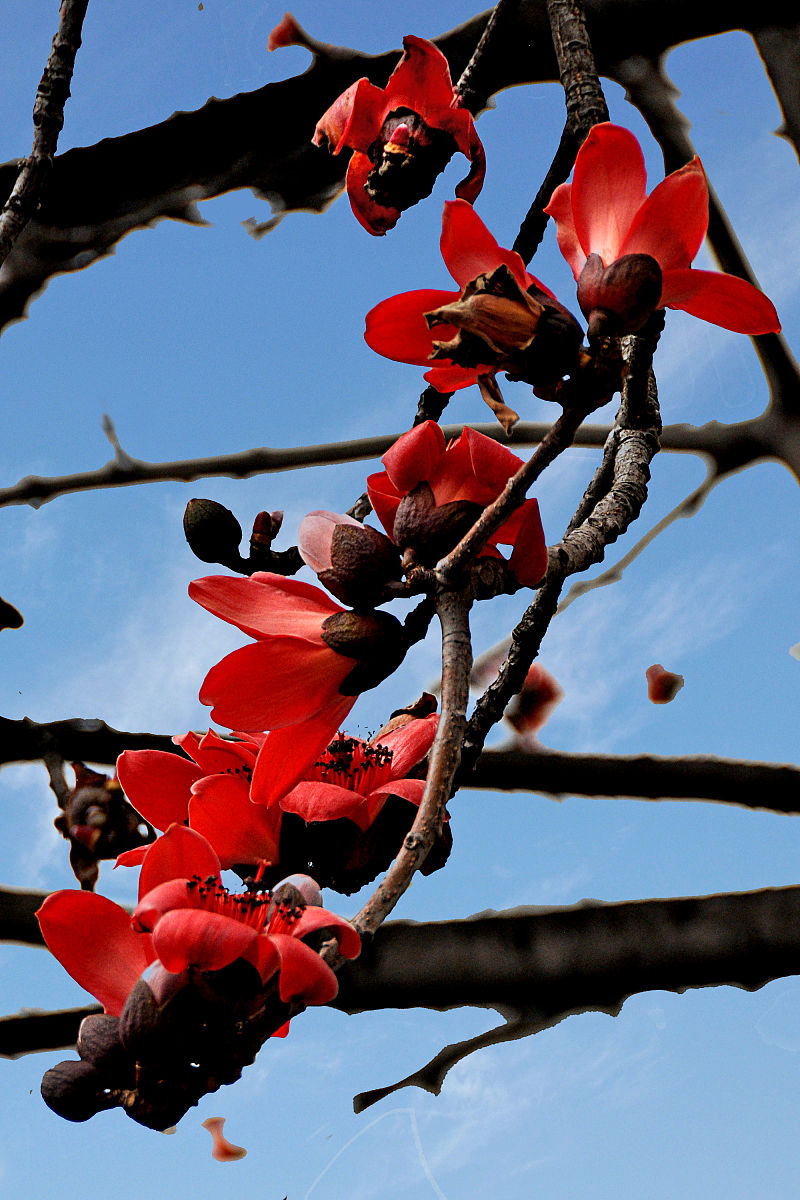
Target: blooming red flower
[353, 560]
[211, 794]
[308, 664]
[608, 229]
[187, 920]
[402, 136]
[431, 493]
[354, 778]
[503, 319]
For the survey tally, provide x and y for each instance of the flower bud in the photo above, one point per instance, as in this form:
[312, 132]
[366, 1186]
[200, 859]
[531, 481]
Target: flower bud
[100, 1045]
[75, 1091]
[212, 531]
[354, 561]
[618, 299]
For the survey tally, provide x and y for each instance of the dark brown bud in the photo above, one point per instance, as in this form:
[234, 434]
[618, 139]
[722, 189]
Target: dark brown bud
[100, 1045]
[431, 530]
[363, 561]
[75, 1091]
[618, 299]
[212, 531]
[375, 640]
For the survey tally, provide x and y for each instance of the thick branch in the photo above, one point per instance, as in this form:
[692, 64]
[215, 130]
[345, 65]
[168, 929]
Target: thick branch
[768, 787]
[779, 47]
[546, 964]
[586, 104]
[84, 739]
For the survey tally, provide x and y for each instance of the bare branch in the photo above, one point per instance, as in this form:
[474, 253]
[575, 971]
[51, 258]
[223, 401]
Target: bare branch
[48, 120]
[87, 739]
[779, 47]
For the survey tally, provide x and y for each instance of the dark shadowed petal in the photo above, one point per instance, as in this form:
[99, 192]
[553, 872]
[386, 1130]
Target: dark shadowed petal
[304, 976]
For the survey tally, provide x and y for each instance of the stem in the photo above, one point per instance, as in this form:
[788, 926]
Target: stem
[586, 104]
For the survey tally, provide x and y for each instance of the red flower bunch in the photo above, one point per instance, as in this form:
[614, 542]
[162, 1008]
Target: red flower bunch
[431, 493]
[187, 920]
[631, 253]
[502, 319]
[402, 136]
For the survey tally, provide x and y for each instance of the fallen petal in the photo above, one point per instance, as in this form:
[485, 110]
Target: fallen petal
[222, 1149]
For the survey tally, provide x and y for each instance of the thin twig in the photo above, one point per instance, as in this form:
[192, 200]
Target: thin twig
[465, 90]
[48, 120]
[531, 231]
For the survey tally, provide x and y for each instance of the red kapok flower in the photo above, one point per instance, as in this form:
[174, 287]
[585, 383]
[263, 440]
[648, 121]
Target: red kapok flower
[354, 778]
[212, 794]
[402, 136]
[187, 920]
[431, 493]
[353, 560]
[632, 253]
[196, 923]
[309, 662]
[503, 319]
[532, 707]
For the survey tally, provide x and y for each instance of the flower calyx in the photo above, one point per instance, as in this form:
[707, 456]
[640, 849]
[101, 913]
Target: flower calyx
[618, 299]
[376, 640]
[407, 156]
[354, 561]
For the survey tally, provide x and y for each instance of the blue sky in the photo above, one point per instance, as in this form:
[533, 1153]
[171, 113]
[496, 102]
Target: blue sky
[202, 340]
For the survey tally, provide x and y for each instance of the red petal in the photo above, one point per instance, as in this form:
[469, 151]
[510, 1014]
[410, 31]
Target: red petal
[287, 753]
[315, 918]
[529, 557]
[179, 853]
[191, 937]
[271, 684]
[450, 378]
[672, 222]
[410, 743]
[375, 218]
[415, 456]
[560, 209]
[421, 80]
[239, 831]
[354, 119]
[459, 124]
[316, 801]
[131, 858]
[222, 1150]
[397, 329]
[608, 186]
[407, 789]
[468, 248]
[92, 939]
[721, 299]
[304, 976]
[215, 754]
[157, 784]
[265, 604]
[384, 498]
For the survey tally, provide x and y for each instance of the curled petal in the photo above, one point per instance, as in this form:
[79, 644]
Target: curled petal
[304, 976]
[222, 1149]
[529, 556]
[92, 939]
[376, 218]
[608, 186]
[415, 456]
[314, 918]
[354, 119]
[406, 789]
[723, 300]
[410, 743]
[421, 80]
[451, 378]
[316, 801]
[190, 937]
